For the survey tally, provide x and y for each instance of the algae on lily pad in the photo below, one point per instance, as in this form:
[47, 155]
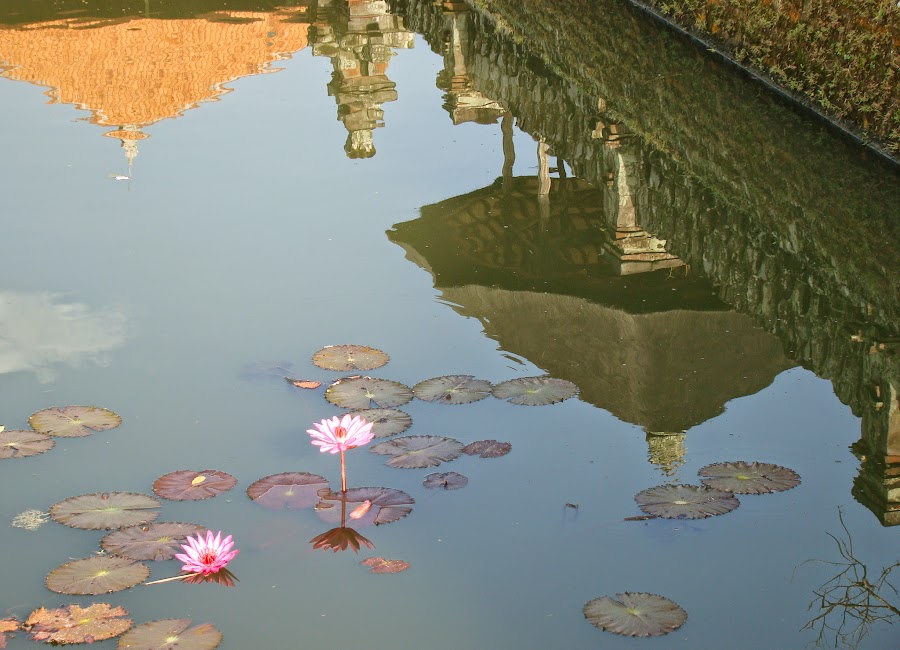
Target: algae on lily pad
[453, 389]
[159, 541]
[742, 477]
[21, 443]
[685, 501]
[366, 392]
[349, 357]
[535, 391]
[635, 614]
[76, 624]
[385, 422]
[105, 510]
[189, 485]
[446, 480]
[74, 421]
[287, 491]
[383, 565]
[171, 634]
[409, 452]
[101, 574]
[387, 505]
[487, 448]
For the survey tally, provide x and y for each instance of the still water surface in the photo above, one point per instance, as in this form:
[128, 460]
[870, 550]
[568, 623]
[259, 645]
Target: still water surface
[373, 192]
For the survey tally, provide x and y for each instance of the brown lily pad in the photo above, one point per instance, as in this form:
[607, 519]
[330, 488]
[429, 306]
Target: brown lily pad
[157, 542]
[535, 391]
[101, 574]
[487, 448]
[635, 614]
[410, 452]
[383, 565]
[742, 477]
[7, 625]
[74, 421]
[188, 485]
[76, 624]
[349, 357]
[387, 505]
[287, 491]
[366, 392]
[453, 389]
[685, 501]
[385, 422]
[445, 481]
[22, 443]
[307, 384]
[171, 634]
[105, 510]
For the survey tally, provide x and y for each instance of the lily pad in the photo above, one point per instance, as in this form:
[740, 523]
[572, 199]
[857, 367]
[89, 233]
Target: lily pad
[366, 392]
[105, 510]
[635, 614]
[387, 505]
[171, 634]
[487, 448]
[101, 574]
[159, 541]
[74, 421]
[453, 389]
[411, 452]
[287, 491]
[446, 480]
[685, 501]
[349, 357]
[7, 625]
[76, 624]
[306, 384]
[742, 477]
[21, 443]
[383, 565]
[535, 391]
[188, 485]
[385, 422]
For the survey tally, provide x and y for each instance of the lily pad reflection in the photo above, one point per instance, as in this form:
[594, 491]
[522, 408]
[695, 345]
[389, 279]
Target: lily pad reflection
[742, 477]
[635, 614]
[171, 634]
[685, 501]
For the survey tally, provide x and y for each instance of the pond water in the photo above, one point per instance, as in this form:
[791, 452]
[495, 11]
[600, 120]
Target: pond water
[396, 185]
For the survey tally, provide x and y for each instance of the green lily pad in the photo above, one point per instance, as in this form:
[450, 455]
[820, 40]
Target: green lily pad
[366, 392]
[383, 565]
[76, 624]
[74, 421]
[385, 422]
[188, 485]
[287, 491]
[171, 634]
[101, 574]
[453, 389]
[159, 541]
[349, 357]
[635, 614]
[742, 477]
[487, 448]
[535, 391]
[105, 510]
[22, 443]
[387, 505]
[411, 452]
[685, 501]
[446, 480]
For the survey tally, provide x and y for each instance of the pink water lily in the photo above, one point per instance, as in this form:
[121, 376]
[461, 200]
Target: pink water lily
[207, 555]
[341, 434]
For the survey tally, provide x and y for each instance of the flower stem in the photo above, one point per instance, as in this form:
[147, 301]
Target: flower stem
[343, 473]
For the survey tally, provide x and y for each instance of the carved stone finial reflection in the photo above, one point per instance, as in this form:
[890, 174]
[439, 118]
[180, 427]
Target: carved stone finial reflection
[666, 450]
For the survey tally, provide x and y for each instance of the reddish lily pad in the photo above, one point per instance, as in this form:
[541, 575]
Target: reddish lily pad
[287, 491]
[349, 357]
[487, 448]
[742, 477]
[171, 634]
[419, 451]
[635, 614]
[385, 422]
[453, 389]
[685, 501]
[74, 421]
[307, 384]
[101, 574]
[387, 505]
[159, 541]
[105, 510]
[188, 485]
[535, 391]
[366, 392]
[7, 625]
[22, 443]
[383, 565]
[76, 624]
[445, 480]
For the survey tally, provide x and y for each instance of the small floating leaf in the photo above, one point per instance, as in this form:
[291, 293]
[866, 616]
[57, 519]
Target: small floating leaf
[171, 634]
[74, 421]
[387, 505]
[105, 510]
[360, 511]
[685, 501]
[75, 624]
[21, 443]
[487, 448]
[349, 357]
[188, 485]
[385, 422]
[535, 391]
[159, 541]
[419, 451]
[366, 392]
[30, 519]
[382, 565]
[100, 574]
[742, 477]
[7, 625]
[287, 491]
[308, 384]
[453, 389]
[445, 480]
[635, 614]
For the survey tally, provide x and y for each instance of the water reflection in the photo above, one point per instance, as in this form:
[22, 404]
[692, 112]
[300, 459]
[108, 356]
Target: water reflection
[343, 537]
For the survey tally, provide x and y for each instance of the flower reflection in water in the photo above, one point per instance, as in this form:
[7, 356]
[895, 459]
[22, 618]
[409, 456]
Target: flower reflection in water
[343, 537]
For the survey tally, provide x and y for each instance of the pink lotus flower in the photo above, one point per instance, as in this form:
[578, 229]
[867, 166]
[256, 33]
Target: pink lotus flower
[208, 555]
[341, 434]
